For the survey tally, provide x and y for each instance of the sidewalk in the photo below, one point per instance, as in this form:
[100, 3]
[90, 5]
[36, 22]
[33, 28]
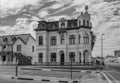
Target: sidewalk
[81, 76]
[90, 78]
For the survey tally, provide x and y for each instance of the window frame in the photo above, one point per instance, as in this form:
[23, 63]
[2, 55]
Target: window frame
[53, 57]
[40, 57]
[72, 39]
[53, 40]
[40, 40]
[19, 48]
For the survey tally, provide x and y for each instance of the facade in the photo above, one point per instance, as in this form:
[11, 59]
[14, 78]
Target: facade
[20, 48]
[65, 40]
[117, 55]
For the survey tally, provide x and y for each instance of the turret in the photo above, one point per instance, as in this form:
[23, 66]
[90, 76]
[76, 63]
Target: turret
[84, 18]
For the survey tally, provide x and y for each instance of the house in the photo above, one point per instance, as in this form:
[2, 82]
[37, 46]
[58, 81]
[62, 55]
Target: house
[66, 40]
[17, 48]
[117, 55]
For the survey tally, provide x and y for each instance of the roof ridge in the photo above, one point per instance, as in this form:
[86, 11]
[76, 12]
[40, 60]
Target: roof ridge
[15, 35]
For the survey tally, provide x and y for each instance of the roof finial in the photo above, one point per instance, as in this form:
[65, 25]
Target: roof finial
[86, 9]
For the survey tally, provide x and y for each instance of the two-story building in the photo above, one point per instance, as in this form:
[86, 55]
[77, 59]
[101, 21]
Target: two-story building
[19, 47]
[59, 41]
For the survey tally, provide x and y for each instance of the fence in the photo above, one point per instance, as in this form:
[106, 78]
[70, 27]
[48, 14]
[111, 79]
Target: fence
[64, 64]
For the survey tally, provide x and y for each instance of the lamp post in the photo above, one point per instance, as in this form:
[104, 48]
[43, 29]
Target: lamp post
[71, 57]
[16, 68]
[102, 45]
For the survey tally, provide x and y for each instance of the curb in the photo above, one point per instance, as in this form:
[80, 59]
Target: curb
[83, 71]
[47, 80]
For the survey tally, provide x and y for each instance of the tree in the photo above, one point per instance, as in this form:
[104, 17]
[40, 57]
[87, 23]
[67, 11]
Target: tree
[93, 40]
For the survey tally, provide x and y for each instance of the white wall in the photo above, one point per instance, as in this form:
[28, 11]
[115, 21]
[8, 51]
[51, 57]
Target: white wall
[26, 49]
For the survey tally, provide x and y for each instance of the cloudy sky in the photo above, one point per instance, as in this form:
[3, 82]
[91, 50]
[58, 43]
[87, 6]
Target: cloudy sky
[20, 16]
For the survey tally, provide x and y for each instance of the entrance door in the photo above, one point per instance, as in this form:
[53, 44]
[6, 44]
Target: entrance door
[86, 56]
[4, 58]
[62, 59]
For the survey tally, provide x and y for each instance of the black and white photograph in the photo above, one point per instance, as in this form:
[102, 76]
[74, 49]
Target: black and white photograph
[59, 41]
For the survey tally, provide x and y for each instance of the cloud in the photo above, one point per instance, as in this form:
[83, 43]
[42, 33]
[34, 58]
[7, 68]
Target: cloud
[56, 6]
[14, 6]
[22, 26]
[43, 13]
[105, 16]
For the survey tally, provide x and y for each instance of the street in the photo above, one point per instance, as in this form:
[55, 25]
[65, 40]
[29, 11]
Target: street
[113, 72]
[115, 66]
[6, 80]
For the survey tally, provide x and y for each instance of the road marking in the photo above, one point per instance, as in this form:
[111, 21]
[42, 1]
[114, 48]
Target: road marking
[109, 81]
[113, 78]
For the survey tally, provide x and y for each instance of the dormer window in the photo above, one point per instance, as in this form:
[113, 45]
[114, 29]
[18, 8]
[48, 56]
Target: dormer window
[43, 25]
[62, 25]
[5, 39]
[14, 38]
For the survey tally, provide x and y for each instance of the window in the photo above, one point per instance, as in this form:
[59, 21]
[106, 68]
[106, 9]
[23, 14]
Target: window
[80, 57]
[62, 25]
[40, 40]
[87, 23]
[84, 22]
[71, 39]
[40, 57]
[53, 57]
[62, 40]
[79, 39]
[32, 48]
[72, 56]
[53, 40]
[79, 23]
[86, 39]
[18, 47]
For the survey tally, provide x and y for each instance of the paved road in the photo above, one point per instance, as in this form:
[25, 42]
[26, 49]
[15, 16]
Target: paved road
[115, 66]
[113, 72]
[5, 80]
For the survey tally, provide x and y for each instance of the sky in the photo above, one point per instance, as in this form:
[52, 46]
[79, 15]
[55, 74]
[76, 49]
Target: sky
[21, 16]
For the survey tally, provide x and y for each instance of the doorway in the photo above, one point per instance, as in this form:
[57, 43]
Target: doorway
[62, 58]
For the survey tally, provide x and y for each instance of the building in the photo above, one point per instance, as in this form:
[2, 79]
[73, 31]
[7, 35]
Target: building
[65, 40]
[17, 48]
[117, 55]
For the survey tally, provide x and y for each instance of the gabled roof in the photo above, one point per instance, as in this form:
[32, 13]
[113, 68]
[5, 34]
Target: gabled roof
[11, 39]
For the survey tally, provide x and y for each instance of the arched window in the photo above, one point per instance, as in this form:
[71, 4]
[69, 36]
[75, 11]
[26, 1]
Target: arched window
[79, 23]
[79, 39]
[80, 57]
[86, 56]
[87, 23]
[83, 22]
[86, 38]
[43, 25]
[62, 25]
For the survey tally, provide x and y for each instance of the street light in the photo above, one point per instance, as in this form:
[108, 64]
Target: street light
[71, 57]
[102, 45]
